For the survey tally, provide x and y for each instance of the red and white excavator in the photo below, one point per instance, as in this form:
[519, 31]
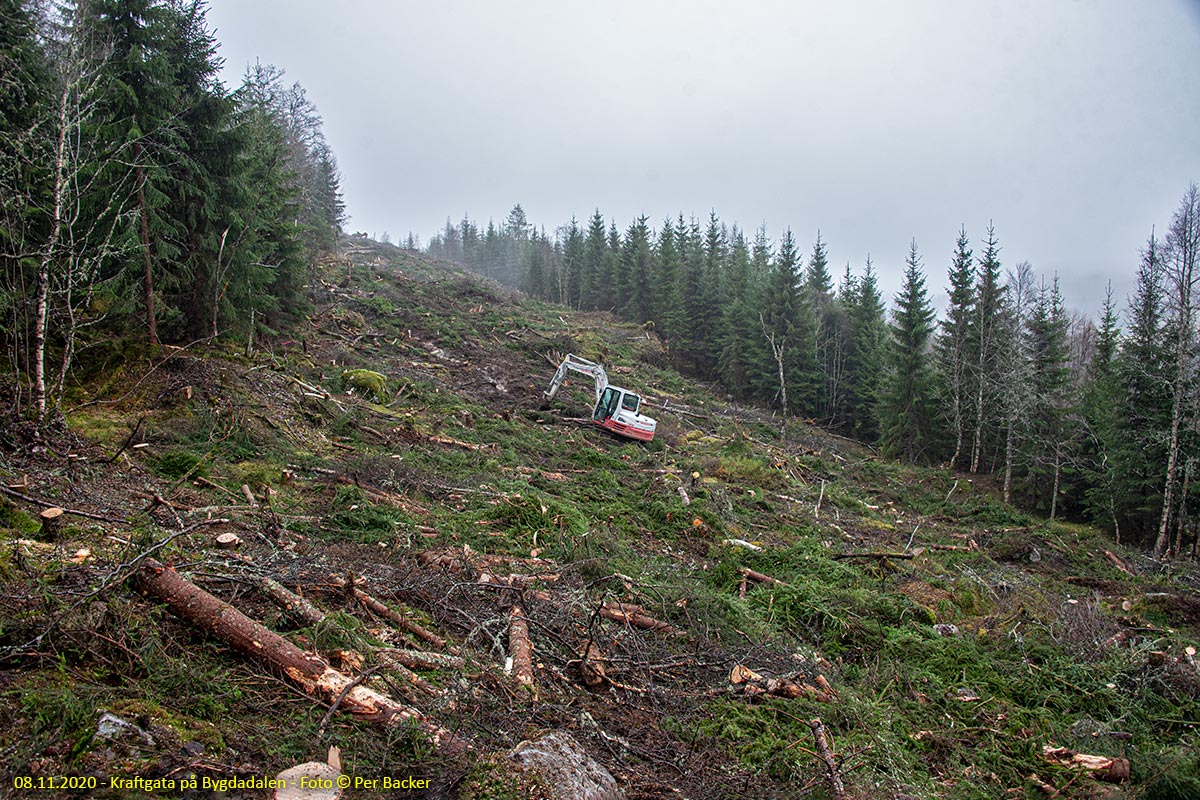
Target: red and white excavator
[616, 408]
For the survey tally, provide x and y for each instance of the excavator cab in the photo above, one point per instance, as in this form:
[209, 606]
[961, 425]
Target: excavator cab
[607, 405]
[614, 399]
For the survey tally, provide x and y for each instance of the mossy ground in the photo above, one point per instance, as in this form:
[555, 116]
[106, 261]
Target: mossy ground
[450, 448]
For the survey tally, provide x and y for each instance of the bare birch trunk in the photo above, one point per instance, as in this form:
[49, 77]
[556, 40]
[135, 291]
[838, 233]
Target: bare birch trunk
[1057, 478]
[1008, 459]
[958, 422]
[1163, 541]
[1181, 517]
[1183, 240]
[977, 447]
[41, 313]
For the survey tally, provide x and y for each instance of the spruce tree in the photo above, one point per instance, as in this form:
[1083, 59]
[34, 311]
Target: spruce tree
[1138, 448]
[739, 326]
[1100, 406]
[637, 269]
[1051, 449]
[906, 411]
[536, 277]
[788, 321]
[866, 365]
[828, 347]
[688, 349]
[597, 277]
[710, 317]
[573, 255]
[668, 313]
[140, 120]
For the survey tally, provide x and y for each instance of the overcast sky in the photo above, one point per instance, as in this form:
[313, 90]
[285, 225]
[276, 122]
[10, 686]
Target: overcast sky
[1073, 126]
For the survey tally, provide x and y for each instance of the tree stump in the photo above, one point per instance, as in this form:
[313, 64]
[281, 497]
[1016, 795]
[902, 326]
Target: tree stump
[228, 541]
[51, 523]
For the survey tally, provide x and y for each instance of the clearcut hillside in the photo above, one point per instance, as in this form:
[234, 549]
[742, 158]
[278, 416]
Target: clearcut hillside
[691, 605]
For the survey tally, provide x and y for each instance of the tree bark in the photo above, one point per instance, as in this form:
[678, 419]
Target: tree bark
[520, 649]
[41, 313]
[293, 604]
[391, 615]
[1183, 242]
[633, 615]
[51, 523]
[308, 670]
[825, 753]
[1057, 479]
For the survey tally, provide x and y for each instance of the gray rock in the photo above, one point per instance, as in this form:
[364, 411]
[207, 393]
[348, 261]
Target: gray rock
[946, 629]
[569, 772]
[112, 727]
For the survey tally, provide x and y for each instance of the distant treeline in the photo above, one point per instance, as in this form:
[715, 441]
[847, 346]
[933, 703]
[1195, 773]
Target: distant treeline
[138, 195]
[1075, 417]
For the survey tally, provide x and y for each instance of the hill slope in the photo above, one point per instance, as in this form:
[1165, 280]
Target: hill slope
[401, 439]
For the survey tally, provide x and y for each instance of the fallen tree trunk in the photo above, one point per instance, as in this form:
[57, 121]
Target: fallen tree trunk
[520, 649]
[633, 615]
[1117, 562]
[311, 672]
[293, 604]
[418, 659]
[390, 614]
[760, 577]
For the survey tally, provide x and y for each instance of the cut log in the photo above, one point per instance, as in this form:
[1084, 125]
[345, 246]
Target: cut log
[520, 649]
[633, 615]
[970, 546]
[51, 523]
[448, 442]
[418, 659]
[308, 670]
[760, 577]
[390, 614]
[516, 581]
[296, 606]
[249, 495]
[1117, 562]
[409, 677]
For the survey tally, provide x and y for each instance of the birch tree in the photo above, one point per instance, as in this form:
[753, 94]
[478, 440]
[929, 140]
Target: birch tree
[1182, 250]
[1011, 376]
[953, 344]
[985, 319]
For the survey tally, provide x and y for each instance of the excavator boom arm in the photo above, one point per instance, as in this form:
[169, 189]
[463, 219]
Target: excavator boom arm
[574, 363]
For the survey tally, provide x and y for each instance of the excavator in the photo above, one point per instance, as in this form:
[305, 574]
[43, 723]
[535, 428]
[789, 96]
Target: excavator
[616, 408]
